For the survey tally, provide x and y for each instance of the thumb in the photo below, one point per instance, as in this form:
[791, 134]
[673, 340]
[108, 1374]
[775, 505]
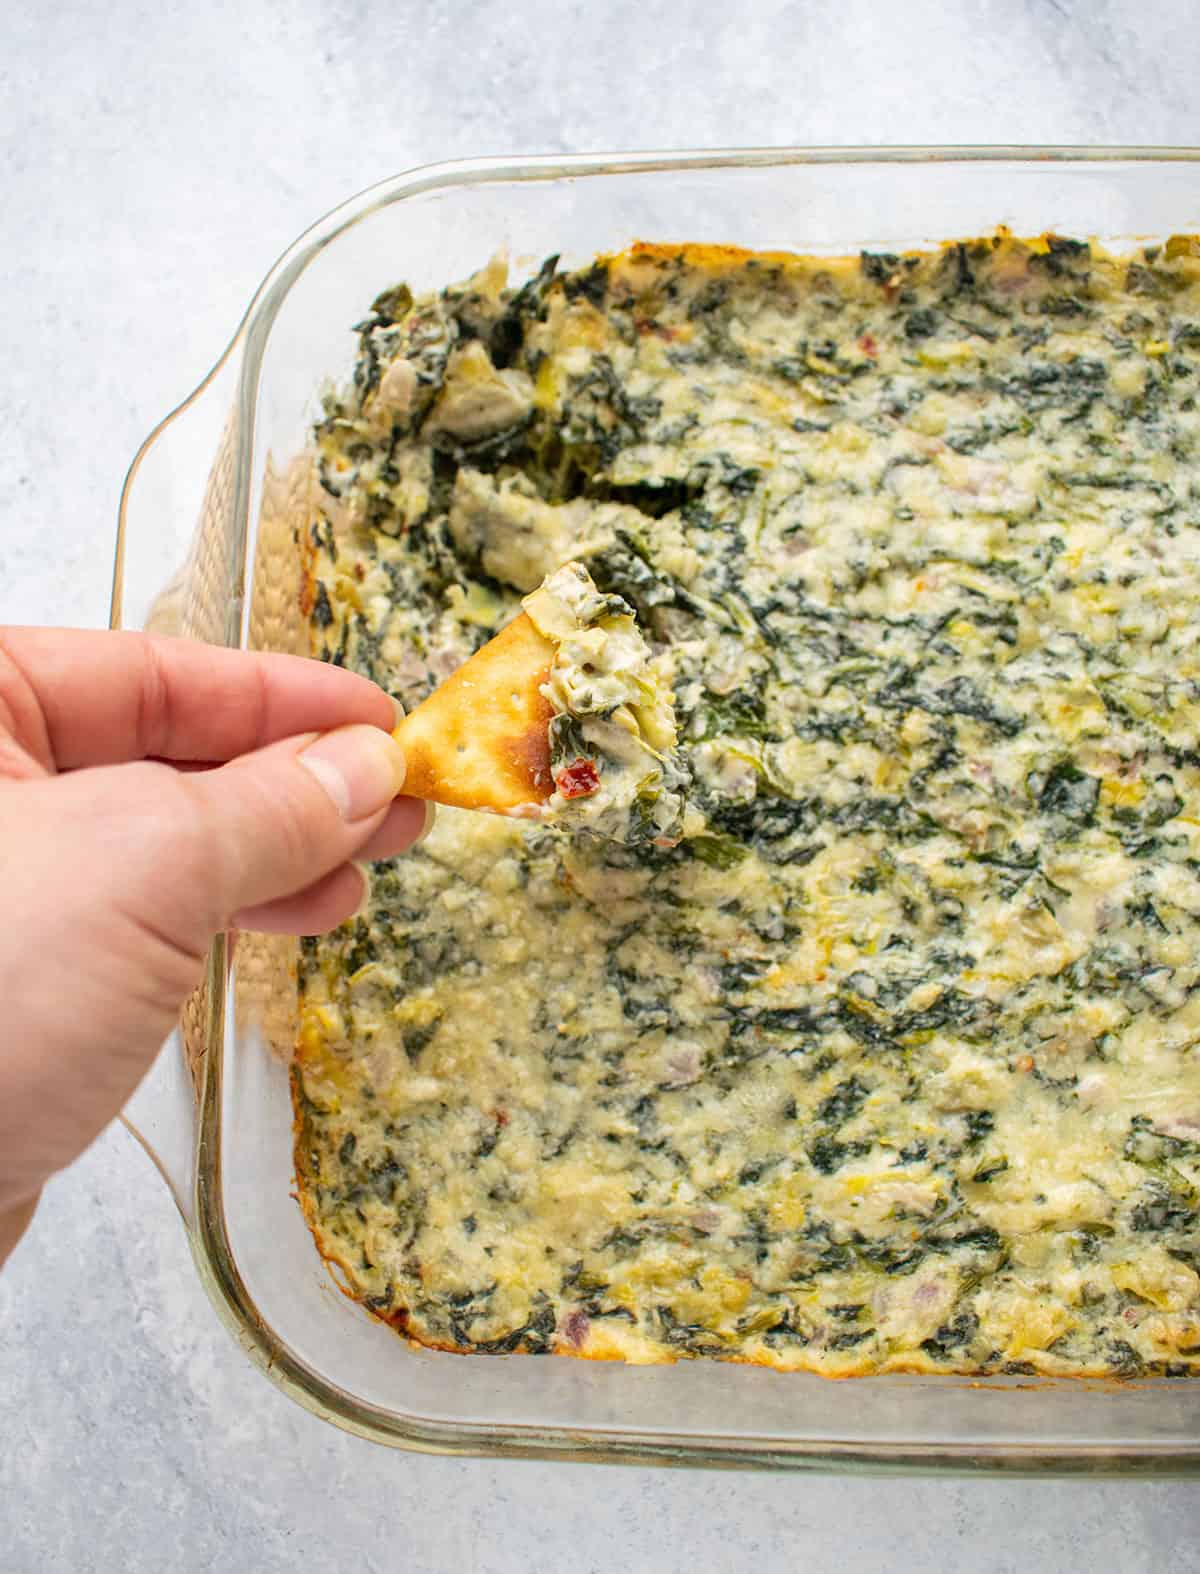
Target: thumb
[270, 824]
[177, 854]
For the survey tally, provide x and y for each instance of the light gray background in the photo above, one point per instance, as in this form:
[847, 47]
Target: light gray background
[154, 159]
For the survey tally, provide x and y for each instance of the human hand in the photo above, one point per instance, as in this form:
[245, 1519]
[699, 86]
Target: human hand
[122, 855]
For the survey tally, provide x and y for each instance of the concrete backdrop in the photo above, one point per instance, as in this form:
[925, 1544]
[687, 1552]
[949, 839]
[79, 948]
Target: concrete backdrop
[154, 159]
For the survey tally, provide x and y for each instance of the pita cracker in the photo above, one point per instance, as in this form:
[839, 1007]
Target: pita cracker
[480, 741]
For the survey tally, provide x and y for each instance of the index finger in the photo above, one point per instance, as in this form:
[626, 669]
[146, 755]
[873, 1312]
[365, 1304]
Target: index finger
[76, 697]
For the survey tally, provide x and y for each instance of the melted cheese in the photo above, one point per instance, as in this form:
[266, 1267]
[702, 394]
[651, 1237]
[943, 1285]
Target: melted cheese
[893, 1061]
[613, 735]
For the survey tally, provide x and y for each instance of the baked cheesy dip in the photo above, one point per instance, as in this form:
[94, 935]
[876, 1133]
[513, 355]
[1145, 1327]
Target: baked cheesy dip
[871, 1042]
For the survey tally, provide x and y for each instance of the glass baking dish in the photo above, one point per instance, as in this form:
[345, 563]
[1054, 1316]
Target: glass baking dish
[205, 549]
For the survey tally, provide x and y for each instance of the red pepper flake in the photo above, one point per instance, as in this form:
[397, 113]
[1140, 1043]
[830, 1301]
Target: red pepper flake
[1025, 1063]
[501, 1117]
[868, 345]
[660, 330]
[578, 779]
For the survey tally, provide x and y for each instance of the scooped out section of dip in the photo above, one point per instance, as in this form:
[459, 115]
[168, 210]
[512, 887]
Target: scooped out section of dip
[613, 757]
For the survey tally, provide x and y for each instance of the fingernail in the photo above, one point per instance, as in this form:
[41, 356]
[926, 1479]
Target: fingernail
[430, 822]
[366, 896]
[398, 709]
[361, 768]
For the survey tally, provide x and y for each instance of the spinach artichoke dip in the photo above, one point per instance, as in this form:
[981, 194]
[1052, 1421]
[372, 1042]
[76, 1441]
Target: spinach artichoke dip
[865, 1036]
[613, 732]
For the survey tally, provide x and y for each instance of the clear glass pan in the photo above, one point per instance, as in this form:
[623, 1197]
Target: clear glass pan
[207, 512]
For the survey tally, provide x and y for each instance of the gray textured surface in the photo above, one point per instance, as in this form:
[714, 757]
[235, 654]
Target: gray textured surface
[153, 161]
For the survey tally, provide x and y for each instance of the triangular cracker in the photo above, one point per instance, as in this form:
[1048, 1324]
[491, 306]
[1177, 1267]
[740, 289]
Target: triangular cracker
[566, 716]
[480, 740]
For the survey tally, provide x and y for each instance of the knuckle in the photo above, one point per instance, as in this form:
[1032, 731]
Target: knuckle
[20, 713]
[153, 695]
